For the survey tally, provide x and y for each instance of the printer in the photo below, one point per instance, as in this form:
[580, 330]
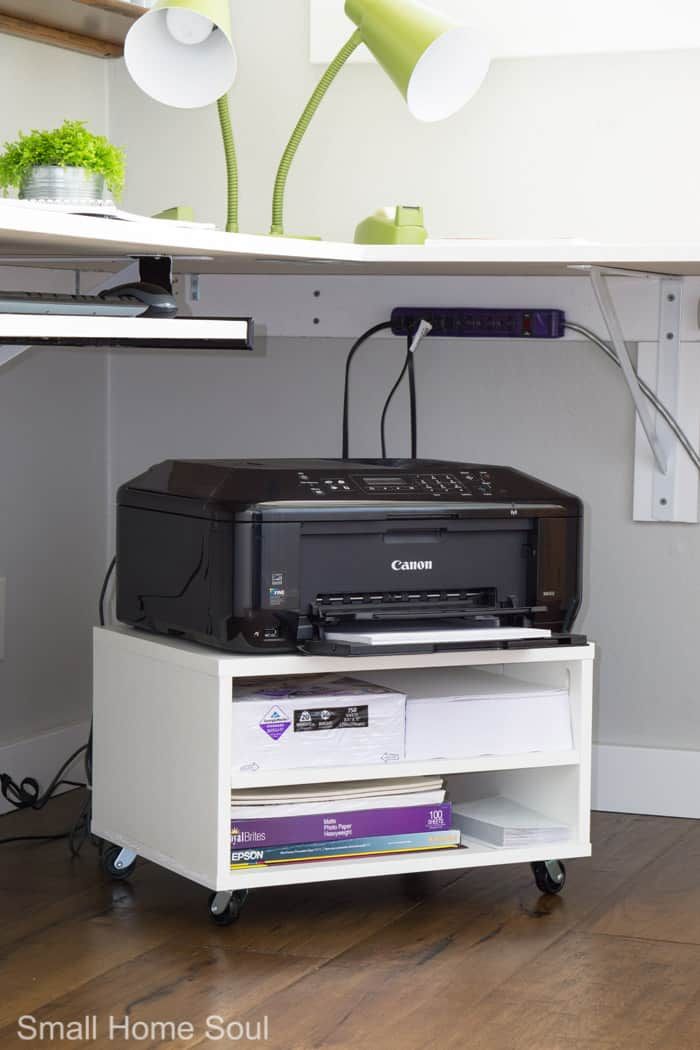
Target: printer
[273, 555]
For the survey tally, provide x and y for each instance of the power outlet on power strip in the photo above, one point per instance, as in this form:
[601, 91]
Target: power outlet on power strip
[465, 322]
[3, 595]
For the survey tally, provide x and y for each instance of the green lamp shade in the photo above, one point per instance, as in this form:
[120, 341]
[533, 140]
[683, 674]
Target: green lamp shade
[436, 64]
[181, 52]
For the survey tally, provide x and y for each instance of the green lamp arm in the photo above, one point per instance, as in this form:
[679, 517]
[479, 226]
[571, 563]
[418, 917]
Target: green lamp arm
[231, 164]
[302, 127]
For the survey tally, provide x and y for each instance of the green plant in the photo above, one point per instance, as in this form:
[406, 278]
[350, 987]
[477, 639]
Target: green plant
[70, 146]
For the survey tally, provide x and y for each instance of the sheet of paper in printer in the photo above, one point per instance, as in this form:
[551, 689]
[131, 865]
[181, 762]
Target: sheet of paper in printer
[359, 634]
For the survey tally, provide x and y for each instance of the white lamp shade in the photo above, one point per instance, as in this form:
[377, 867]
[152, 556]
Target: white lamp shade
[448, 74]
[183, 75]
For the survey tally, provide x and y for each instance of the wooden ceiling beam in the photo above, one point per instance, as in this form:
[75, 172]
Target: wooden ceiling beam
[56, 37]
[115, 7]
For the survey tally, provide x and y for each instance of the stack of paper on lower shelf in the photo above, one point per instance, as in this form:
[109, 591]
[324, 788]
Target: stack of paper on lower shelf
[502, 822]
[333, 821]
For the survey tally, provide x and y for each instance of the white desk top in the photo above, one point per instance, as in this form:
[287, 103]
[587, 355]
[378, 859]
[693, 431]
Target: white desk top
[27, 234]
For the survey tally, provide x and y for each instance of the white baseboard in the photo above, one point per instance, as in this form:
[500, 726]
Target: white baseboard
[648, 780]
[42, 756]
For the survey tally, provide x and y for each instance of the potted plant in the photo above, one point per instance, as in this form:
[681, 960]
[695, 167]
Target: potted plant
[68, 164]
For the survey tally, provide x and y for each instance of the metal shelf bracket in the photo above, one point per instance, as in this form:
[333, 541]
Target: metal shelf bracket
[9, 353]
[672, 313]
[666, 495]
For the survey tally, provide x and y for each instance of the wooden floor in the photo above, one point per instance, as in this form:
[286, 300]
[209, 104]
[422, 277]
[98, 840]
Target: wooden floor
[477, 961]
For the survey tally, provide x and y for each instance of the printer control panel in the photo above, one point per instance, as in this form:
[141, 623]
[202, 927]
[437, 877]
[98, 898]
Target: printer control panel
[329, 487]
[461, 484]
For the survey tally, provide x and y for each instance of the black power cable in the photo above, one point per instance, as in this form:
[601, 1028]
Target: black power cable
[406, 368]
[346, 394]
[413, 395]
[103, 620]
[26, 794]
[35, 838]
[103, 591]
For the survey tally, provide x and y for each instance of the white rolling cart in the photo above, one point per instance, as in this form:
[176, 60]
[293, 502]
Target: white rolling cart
[163, 763]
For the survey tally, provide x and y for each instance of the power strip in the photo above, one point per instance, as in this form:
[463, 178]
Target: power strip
[478, 323]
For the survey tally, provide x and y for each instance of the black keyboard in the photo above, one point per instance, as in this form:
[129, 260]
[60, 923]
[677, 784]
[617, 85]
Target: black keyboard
[82, 305]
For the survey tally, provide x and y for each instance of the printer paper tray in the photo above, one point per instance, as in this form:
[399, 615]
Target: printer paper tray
[325, 647]
[425, 610]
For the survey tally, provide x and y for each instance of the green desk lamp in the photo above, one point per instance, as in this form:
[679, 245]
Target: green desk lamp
[436, 64]
[181, 53]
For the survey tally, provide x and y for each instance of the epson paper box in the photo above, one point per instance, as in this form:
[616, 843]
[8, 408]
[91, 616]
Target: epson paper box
[314, 722]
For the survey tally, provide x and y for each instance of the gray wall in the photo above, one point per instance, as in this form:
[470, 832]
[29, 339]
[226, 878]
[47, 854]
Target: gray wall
[557, 147]
[52, 548]
[52, 451]
[558, 411]
[560, 147]
[580, 146]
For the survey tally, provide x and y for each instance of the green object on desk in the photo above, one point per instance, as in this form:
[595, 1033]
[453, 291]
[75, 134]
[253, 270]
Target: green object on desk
[180, 213]
[402, 225]
[436, 64]
[181, 53]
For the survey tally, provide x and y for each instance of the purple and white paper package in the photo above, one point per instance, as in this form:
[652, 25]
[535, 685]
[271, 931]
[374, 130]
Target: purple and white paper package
[340, 826]
[315, 721]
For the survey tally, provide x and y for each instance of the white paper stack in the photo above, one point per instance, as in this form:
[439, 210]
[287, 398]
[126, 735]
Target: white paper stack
[362, 634]
[314, 721]
[465, 713]
[250, 803]
[502, 822]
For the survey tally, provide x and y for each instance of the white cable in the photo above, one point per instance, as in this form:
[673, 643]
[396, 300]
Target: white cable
[646, 390]
[424, 328]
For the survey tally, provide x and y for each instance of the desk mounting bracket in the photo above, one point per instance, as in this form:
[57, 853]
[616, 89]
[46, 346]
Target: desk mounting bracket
[599, 280]
[665, 490]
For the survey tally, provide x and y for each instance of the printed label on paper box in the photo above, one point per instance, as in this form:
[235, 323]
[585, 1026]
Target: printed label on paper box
[311, 720]
[277, 591]
[275, 723]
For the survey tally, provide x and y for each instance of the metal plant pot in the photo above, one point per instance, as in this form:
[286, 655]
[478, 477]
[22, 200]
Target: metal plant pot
[64, 186]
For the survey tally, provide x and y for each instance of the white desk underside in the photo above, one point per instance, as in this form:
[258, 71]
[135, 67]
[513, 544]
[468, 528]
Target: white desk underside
[27, 236]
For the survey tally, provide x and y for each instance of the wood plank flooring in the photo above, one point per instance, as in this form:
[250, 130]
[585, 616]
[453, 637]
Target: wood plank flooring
[473, 961]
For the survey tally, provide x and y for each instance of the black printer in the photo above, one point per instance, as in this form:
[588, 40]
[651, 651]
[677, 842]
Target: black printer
[271, 555]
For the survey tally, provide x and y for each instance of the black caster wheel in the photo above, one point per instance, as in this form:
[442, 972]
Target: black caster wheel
[224, 913]
[550, 876]
[108, 860]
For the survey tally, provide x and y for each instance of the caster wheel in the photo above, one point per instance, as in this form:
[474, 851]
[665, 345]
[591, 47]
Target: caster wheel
[550, 876]
[108, 860]
[225, 914]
